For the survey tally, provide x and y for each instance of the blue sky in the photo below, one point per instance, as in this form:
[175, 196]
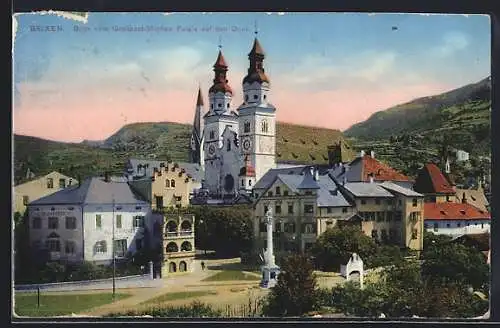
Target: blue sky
[318, 60]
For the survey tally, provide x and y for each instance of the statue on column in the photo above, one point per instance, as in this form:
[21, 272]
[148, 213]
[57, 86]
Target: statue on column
[270, 270]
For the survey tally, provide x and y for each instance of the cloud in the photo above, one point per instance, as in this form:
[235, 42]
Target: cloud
[452, 42]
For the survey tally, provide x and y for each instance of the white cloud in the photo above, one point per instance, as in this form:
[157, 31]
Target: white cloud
[452, 42]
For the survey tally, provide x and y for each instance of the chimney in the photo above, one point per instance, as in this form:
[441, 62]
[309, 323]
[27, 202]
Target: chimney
[362, 153]
[316, 175]
[372, 154]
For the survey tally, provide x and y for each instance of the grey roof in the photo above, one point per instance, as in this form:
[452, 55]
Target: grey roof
[405, 191]
[93, 191]
[367, 189]
[351, 171]
[326, 197]
[308, 182]
[193, 169]
[268, 178]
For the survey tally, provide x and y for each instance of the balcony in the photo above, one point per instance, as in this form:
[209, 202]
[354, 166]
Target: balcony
[179, 234]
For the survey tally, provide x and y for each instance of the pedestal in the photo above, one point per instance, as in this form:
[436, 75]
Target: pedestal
[269, 276]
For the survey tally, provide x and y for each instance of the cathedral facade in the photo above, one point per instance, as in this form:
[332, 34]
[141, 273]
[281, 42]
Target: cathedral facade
[235, 147]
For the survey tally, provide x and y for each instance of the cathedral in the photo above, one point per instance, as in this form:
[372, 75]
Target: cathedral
[235, 147]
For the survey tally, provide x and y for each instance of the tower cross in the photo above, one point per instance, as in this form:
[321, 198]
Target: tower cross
[220, 43]
[255, 30]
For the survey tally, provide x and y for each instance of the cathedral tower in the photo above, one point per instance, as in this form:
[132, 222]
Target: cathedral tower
[220, 135]
[196, 153]
[257, 117]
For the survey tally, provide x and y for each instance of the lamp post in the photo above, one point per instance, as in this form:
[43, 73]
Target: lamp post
[113, 249]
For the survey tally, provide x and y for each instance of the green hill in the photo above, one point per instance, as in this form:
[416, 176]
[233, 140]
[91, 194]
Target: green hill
[426, 129]
[163, 140]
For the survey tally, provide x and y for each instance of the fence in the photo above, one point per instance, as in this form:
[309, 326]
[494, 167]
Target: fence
[137, 281]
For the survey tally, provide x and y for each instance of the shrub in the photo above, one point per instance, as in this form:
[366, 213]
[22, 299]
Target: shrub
[194, 310]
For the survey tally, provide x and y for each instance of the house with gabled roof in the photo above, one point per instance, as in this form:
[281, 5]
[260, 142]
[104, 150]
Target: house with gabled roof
[434, 184]
[80, 223]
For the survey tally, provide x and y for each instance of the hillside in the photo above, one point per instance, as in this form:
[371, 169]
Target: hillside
[424, 130]
[164, 140]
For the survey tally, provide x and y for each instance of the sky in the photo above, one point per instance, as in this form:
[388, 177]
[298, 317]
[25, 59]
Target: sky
[75, 80]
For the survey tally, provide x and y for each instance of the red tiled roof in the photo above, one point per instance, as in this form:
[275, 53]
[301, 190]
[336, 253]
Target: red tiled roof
[247, 170]
[256, 49]
[221, 62]
[453, 211]
[380, 171]
[431, 180]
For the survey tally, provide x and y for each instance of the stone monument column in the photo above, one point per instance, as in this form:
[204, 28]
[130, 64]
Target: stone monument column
[270, 270]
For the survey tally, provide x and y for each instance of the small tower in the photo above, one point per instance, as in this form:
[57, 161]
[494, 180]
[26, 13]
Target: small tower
[247, 176]
[196, 155]
[447, 168]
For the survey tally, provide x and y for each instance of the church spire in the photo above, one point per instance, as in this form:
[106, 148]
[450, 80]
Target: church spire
[220, 79]
[197, 133]
[256, 69]
[199, 101]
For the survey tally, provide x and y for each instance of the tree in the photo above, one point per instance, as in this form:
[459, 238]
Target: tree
[295, 292]
[335, 246]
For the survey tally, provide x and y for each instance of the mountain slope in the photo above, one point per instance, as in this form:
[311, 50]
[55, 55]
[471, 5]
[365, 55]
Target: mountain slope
[162, 140]
[467, 107]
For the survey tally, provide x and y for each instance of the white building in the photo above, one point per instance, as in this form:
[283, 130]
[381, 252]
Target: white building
[455, 219]
[76, 223]
[462, 156]
[232, 140]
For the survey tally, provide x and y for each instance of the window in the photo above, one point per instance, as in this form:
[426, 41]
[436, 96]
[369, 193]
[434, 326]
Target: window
[290, 208]
[308, 193]
[388, 216]
[398, 216]
[70, 247]
[308, 228]
[120, 247]
[459, 224]
[389, 202]
[172, 183]
[329, 224]
[62, 183]
[377, 201]
[380, 216]
[415, 202]
[53, 245]
[219, 105]
[119, 221]
[26, 200]
[227, 105]
[270, 194]
[246, 125]
[228, 144]
[37, 223]
[265, 209]
[482, 225]
[212, 106]
[414, 234]
[70, 222]
[262, 227]
[278, 191]
[344, 209]
[53, 223]
[50, 183]
[285, 192]
[98, 221]
[167, 183]
[138, 221]
[374, 234]
[243, 182]
[400, 202]
[100, 247]
[70, 182]
[264, 126]
[289, 227]
[138, 244]
[328, 210]
[137, 207]
[436, 226]
[308, 208]
[447, 198]
[212, 134]
[256, 195]
[277, 226]
[277, 209]
[249, 182]
[246, 97]
[363, 202]
[265, 96]
[447, 225]
[159, 202]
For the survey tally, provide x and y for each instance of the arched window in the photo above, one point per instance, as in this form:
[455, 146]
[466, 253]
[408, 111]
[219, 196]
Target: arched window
[100, 247]
[246, 98]
[53, 245]
[172, 183]
[172, 247]
[182, 266]
[186, 246]
[228, 144]
[247, 127]
[212, 134]
[167, 183]
[172, 267]
[171, 226]
[186, 226]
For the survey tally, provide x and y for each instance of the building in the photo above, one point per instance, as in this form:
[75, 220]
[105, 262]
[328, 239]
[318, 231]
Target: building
[231, 140]
[36, 188]
[306, 203]
[455, 219]
[178, 243]
[475, 197]
[164, 184]
[80, 222]
[434, 185]
[462, 156]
